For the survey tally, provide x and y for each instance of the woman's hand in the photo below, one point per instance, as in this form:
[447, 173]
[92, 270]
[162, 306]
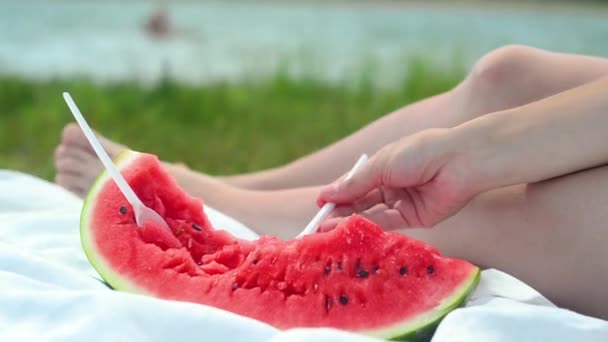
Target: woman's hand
[417, 181]
[425, 178]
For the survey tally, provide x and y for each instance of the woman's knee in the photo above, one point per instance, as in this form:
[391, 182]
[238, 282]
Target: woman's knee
[503, 78]
[503, 67]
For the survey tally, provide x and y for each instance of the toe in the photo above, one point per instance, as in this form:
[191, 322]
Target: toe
[72, 135]
[60, 152]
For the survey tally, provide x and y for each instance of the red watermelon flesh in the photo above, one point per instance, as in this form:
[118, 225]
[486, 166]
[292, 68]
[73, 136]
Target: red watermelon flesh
[356, 277]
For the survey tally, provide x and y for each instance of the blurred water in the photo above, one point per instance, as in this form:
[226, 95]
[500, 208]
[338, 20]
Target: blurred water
[223, 40]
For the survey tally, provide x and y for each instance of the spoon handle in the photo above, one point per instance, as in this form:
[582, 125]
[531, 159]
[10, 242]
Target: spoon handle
[328, 207]
[103, 156]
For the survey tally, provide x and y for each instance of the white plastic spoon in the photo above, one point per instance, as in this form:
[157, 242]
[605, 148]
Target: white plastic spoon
[142, 213]
[328, 207]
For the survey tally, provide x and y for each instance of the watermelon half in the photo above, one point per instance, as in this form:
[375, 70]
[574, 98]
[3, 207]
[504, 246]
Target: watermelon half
[356, 277]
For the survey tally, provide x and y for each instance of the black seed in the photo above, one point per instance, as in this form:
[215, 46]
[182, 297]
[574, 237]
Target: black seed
[123, 210]
[376, 269]
[328, 303]
[343, 300]
[362, 273]
[327, 269]
[403, 270]
[196, 227]
[430, 269]
[235, 286]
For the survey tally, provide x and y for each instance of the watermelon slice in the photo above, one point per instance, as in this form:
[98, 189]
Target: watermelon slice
[356, 277]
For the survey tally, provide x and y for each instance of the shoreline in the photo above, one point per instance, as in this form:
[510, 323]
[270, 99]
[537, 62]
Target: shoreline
[239, 38]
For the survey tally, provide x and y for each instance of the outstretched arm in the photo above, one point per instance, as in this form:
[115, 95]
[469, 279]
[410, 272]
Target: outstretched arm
[505, 78]
[558, 135]
[425, 178]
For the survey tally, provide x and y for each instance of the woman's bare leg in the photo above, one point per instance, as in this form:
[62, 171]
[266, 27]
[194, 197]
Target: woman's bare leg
[508, 77]
[504, 78]
[552, 235]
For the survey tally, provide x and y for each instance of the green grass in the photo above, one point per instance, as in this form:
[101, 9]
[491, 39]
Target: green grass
[219, 128]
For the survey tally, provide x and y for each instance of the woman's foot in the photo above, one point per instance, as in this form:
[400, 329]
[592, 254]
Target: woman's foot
[78, 166]
[76, 163]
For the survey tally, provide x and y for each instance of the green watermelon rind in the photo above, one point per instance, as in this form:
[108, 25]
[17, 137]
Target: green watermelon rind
[115, 280]
[420, 328]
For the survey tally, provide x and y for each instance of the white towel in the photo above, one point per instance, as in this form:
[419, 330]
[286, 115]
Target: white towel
[49, 292]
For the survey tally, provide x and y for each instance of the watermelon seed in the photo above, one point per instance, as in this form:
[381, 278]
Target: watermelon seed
[327, 269]
[235, 286]
[362, 273]
[255, 261]
[430, 269]
[343, 300]
[376, 269]
[339, 265]
[123, 210]
[403, 270]
[315, 286]
[196, 227]
[189, 243]
[178, 232]
[328, 303]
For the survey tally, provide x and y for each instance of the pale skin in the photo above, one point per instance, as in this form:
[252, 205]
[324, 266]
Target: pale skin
[424, 179]
[523, 229]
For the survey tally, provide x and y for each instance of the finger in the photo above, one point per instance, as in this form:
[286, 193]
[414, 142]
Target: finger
[321, 200]
[410, 206]
[372, 198]
[385, 217]
[346, 191]
[336, 215]
[329, 224]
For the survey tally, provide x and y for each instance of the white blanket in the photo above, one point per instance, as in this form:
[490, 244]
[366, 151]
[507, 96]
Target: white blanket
[49, 292]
